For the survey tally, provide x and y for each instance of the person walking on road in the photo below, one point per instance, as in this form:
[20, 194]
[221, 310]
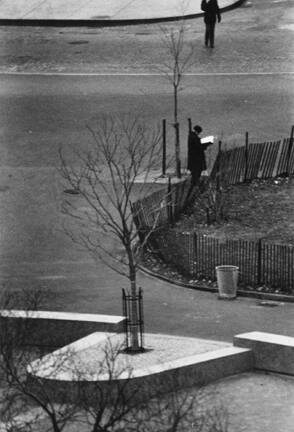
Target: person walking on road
[211, 14]
[196, 155]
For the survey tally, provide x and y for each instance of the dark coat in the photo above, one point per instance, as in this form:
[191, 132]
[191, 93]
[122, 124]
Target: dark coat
[196, 155]
[211, 11]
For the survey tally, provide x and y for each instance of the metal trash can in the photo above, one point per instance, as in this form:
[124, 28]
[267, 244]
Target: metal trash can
[227, 281]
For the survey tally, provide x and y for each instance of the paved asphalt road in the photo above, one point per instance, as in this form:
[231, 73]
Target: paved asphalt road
[42, 112]
[37, 113]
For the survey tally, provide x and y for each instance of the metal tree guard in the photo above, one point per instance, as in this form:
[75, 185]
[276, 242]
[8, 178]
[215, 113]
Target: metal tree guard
[128, 301]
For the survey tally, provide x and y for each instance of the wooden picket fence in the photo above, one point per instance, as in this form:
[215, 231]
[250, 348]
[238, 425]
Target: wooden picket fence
[196, 256]
[161, 207]
[255, 161]
[236, 165]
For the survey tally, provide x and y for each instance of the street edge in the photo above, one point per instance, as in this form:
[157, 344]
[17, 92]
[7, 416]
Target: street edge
[105, 23]
[241, 293]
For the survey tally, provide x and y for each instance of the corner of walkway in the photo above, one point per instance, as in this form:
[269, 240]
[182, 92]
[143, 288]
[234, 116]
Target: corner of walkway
[95, 13]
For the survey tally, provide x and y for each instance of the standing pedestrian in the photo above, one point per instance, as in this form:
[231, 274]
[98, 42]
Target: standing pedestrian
[211, 14]
[196, 155]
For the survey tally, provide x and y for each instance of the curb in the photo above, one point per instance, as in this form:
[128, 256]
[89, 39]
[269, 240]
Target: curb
[104, 23]
[241, 293]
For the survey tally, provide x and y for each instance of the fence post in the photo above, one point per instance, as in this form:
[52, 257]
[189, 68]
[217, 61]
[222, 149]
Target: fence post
[126, 315]
[289, 151]
[195, 257]
[178, 161]
[169, 202]
[246, 156]
[188, 140]
[259, 261]
[218, 167]
[190, 125]
[141, 317]
[163, 147]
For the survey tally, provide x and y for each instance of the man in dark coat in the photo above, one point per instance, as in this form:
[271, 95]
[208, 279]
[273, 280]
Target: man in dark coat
[196, 155]
[211, 13]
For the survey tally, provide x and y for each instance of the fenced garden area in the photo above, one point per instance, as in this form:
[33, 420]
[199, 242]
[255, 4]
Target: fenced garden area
[196, 256]
[265, 259]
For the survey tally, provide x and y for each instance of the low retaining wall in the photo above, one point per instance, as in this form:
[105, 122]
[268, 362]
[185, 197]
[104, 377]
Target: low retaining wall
[55, 329]
[271, 352]
[254, 350]
[196, 370]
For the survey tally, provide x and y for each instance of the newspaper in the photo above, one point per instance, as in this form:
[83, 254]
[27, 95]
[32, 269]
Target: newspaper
[207, 139]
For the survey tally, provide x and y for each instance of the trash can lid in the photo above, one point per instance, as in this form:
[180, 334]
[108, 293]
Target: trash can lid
[227, 267]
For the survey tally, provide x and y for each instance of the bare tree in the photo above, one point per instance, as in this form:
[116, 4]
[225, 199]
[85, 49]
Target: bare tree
[21, 407]
[107, 177]
[30, 396]
[32, 399]
[179, 58]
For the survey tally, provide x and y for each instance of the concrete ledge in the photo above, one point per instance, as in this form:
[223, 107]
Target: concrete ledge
[270, 351]
[55, 329]
[202, 368]
[64, 378]
[199, 370]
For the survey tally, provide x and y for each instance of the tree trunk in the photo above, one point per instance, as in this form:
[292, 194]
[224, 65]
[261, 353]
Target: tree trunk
[134, 319]
[177, 149]
[133, 310]
[177, 133]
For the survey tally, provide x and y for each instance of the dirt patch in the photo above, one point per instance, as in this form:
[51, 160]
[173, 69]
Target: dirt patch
[261, 209]
[255, 210]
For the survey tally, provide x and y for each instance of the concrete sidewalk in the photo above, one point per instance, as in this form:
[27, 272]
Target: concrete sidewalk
[91, 287]
[99, 10]
[173, 309]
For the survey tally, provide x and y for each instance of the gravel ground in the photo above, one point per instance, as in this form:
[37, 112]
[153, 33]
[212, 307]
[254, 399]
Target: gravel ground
[110, 355]
[159, 349]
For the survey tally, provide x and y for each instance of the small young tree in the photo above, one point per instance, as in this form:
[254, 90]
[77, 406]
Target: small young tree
[179, 58]
[211, 197]
[106, 178]
[215, 192]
